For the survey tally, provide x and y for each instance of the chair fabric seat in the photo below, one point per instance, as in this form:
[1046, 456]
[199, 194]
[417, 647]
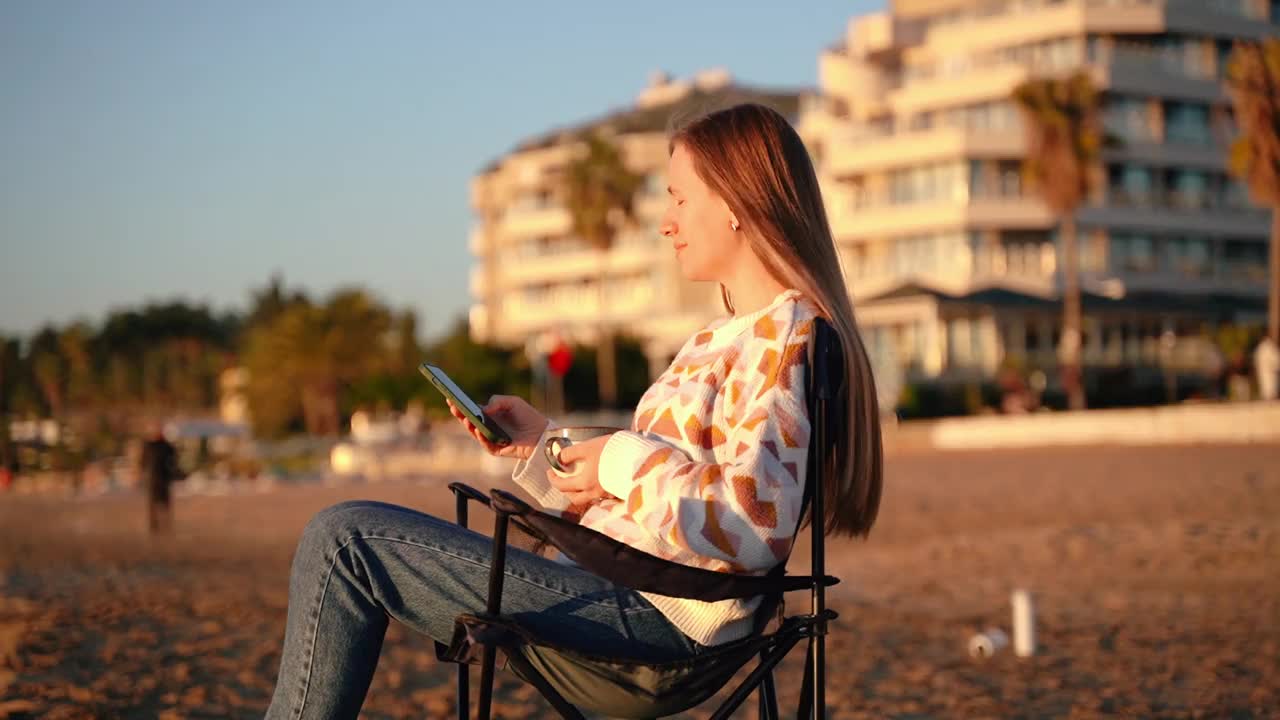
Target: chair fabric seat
[609, 685]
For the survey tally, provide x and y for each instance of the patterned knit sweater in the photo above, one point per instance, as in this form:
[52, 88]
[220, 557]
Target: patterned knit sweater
[711, 472]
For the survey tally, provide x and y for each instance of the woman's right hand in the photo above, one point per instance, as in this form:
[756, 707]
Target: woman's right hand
[523, 424]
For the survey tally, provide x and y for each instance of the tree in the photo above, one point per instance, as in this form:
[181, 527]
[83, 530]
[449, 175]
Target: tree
[1253, 81]
[268, 302]
[407, 354]
[600, 192]
[302, 359]
[10, 359]
[48, 369]
[481, 370]
[1065, 139]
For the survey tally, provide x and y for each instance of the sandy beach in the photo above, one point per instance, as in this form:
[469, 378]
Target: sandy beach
[1156, 575]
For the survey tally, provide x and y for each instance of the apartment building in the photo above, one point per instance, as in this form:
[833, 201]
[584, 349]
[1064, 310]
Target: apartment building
[533, 276]
[954, 265]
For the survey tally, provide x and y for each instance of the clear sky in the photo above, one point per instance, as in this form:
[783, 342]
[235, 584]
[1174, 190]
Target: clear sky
[155, 150]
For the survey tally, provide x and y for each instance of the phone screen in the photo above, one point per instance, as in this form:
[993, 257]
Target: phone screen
[456, 391]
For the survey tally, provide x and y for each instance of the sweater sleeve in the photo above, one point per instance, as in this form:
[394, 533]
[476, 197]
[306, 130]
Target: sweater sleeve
[742, 510]
[531, 474]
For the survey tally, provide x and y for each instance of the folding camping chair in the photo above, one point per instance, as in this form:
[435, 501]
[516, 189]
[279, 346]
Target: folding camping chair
[572, 681]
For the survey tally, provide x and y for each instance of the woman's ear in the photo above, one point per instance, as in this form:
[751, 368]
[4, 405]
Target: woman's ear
[734, 225]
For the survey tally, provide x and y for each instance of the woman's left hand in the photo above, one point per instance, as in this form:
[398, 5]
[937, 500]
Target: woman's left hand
[583, 460]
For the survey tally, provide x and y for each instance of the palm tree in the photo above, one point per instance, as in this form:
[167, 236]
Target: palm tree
[1253, 80]
[599, 191]
[1065, 139]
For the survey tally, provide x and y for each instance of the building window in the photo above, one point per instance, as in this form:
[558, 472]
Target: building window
[1187, 123]
[1128, 118]
[999, 115]
[1224, 48]
[1235, 195]
[913, 255]
[1244, 260]
[1189, 190]
[1130, 185]
[1239, 8]
[928, 183]
[1132, 253]
[1024, 251]
[1093, 49]
[1188, 256]
[1010, 178]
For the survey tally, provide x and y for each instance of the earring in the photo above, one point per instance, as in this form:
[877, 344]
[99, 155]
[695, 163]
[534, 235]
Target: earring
[734, 224]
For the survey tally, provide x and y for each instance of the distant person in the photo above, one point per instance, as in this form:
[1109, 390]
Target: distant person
[159, 471]
[1266, 362]
[744, 210]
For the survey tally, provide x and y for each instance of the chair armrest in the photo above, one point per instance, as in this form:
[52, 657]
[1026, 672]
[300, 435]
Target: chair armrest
[627, 567]
[466, 491]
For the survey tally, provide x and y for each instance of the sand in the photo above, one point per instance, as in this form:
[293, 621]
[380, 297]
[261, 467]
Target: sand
[1155, 571]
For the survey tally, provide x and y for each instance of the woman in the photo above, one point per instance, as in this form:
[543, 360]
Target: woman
[709, 475]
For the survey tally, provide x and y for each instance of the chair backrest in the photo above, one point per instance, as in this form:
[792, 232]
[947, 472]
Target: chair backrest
[826, 400]
[827, 397]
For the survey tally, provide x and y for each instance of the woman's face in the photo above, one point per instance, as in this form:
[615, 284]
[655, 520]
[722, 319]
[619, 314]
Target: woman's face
[698, 223]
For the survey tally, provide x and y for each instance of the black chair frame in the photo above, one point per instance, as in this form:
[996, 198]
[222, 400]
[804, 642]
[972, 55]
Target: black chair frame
[597, 553]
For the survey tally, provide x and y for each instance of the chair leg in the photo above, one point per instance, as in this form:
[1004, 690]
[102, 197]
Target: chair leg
[464, 670]
[805, 710]
[753, 679]
[820, 679]
[493, 608]
[464, 691]
[486, 681]
[768, 696]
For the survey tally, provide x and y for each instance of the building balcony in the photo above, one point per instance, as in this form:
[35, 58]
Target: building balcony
[964, 274]
[575, 307]
[1208, 157]
[1241, 18]
[1241, 281]
[1159, 218]
[558, 267]
[1015, 213]
[840, 75]
[534, 221]
[860, 153]
[978, 84]
[1139, 72]
[971, 58]
[995, 25]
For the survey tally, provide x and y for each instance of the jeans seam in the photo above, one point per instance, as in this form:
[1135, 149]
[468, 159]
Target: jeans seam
[507, 572]
[481, 562]
[315, 632]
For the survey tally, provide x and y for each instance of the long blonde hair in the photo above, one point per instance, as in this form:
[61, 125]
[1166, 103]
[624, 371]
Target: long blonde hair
[752, 158]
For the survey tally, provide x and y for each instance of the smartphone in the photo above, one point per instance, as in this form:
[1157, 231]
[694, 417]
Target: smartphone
[487, 427]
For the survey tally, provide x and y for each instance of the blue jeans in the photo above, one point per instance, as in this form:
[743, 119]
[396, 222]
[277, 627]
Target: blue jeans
[360, 563]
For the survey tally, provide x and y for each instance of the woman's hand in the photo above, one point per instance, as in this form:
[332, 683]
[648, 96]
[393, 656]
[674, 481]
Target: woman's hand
[521, 421]
[583, 460]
